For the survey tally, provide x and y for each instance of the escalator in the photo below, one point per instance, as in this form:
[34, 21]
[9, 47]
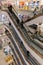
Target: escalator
[14, 15]
[16, 20]
[24, 50]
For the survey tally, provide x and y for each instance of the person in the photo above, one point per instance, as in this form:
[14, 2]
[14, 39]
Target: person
[34, 12]
[27, 53]
[9, 23]
[22, 24]
[10, 8]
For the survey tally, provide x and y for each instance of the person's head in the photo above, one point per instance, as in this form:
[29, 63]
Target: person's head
[40, 23]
